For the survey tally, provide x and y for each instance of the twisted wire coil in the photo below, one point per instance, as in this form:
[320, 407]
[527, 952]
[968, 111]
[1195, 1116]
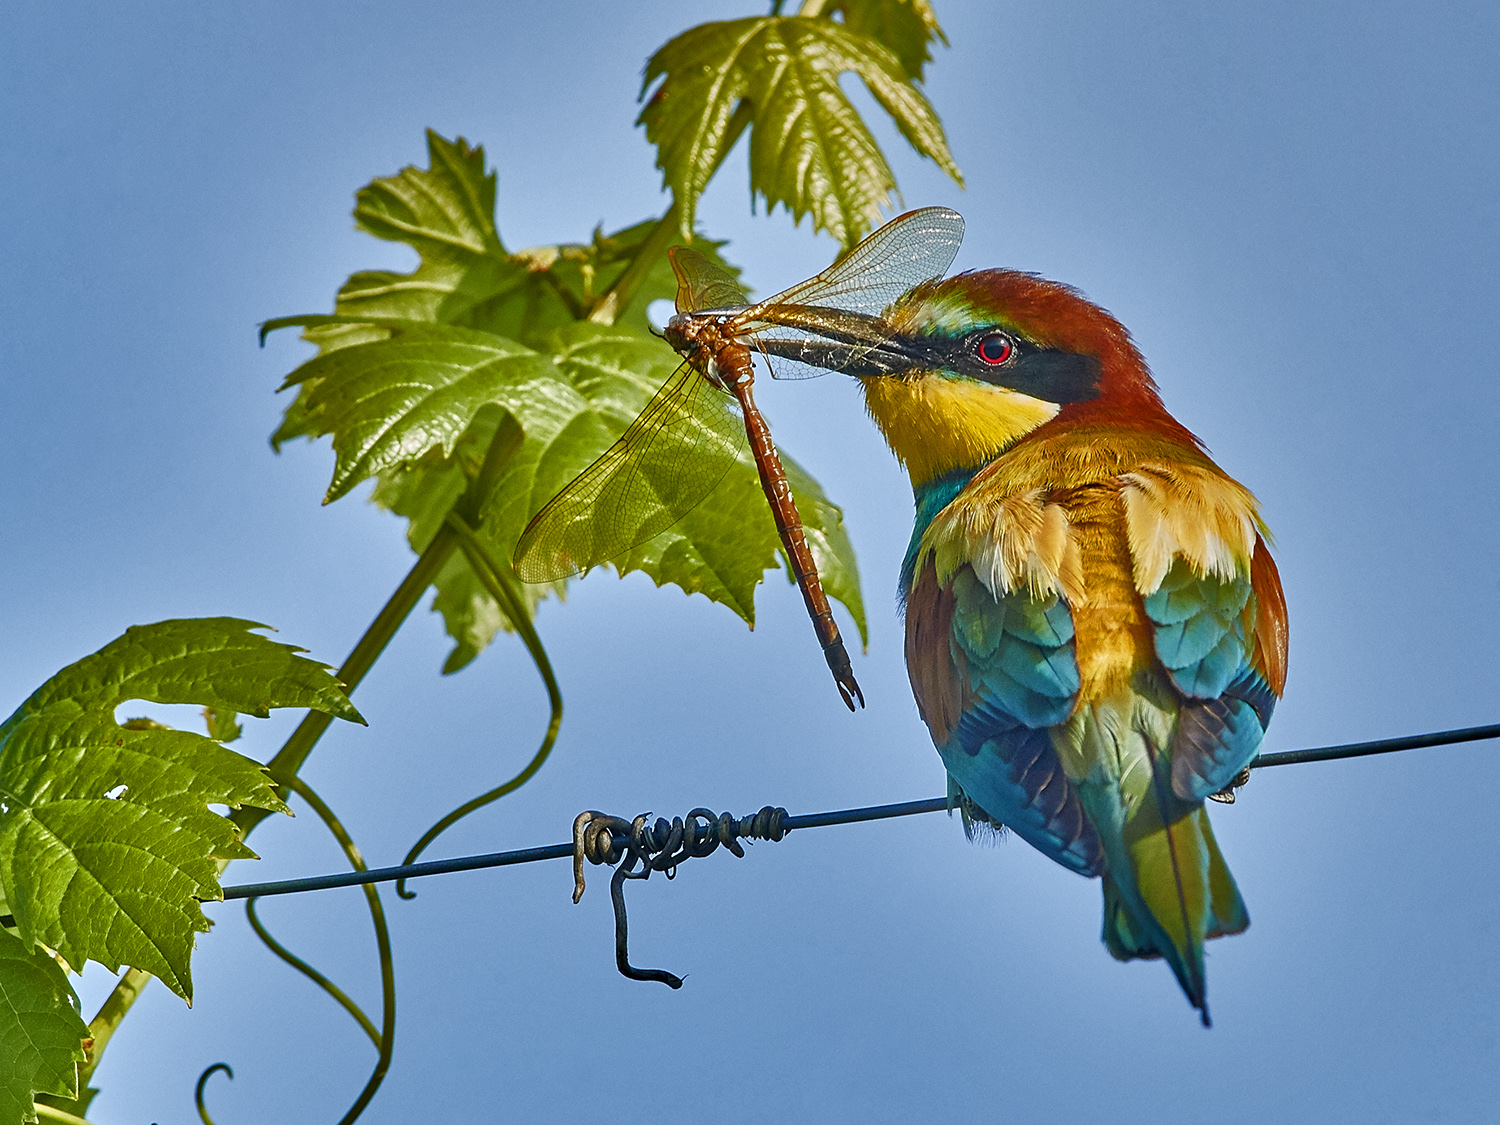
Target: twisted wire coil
[637, 847]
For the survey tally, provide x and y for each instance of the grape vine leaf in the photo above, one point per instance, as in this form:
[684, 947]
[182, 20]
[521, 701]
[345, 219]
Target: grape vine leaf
[223, 726]
[446, 211]
[809, 148]
[388, 402]
[721, 548]
[906, 28]
[416, 370]
[41, 1032]
[107, 844]
[423, 493]
[465, 276]
[602, 378]
[582, 273]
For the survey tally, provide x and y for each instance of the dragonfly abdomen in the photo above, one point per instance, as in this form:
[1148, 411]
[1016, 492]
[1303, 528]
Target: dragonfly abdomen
[783, 506]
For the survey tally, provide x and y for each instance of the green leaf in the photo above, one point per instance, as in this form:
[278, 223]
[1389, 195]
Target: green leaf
[446, 210]
[41, 1033]
[446, 213]
[223, 726]
[721, 548]
[464, 277]
[906, 28]
[416, 370]
[563, 429]
[423, 493]
[809, 149]
[107, 844]
[212, 661]
[389, 402]
[584, 273]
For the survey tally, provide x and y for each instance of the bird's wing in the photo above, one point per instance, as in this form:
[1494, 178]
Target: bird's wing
[1269, 651]
[991, 673]
[1214, 600]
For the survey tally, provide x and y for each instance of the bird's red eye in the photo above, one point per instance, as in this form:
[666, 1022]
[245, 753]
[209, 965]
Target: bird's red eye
[995, 348]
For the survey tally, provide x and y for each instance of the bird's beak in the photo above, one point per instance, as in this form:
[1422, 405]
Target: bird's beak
[863, 347]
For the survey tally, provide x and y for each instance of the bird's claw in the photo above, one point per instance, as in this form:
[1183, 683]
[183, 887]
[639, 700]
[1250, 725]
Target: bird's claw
[1225, 796]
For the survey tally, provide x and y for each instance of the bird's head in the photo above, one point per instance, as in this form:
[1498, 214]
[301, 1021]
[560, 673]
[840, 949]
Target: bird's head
[982, 359]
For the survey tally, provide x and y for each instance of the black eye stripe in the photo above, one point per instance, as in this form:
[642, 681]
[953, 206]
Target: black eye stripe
[994, 356]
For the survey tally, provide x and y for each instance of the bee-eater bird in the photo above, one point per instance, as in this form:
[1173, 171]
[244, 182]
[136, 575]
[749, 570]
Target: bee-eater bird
[1095, 631]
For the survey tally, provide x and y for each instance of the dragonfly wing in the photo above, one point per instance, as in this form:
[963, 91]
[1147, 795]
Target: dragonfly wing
[701, 284]
[800, 330]
[663, 466]
[910, 249]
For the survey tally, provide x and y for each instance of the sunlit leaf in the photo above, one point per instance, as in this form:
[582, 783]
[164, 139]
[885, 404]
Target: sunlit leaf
[107, 844]
[389, 402]
[464, 276]
[585, 272]
[446, 213]
[223, 726]
[423, 493]
[41, 1033]
[721, 548]
[446, 210]
[906, 28]
[809, 148]
[416, 369]
[603, 378]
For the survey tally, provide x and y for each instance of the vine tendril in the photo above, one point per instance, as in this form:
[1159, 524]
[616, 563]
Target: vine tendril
[384, 1037]
[501, 585]
[310, 973]
[387, 1041]
[203, 1081]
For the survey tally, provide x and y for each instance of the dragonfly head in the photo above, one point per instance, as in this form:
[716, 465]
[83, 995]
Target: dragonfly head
[701, 338]
[691, 333]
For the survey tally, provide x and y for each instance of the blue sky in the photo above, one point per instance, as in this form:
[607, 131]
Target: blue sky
[1294, 209]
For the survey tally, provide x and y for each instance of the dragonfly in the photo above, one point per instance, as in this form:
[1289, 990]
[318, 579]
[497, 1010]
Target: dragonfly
[704, 416]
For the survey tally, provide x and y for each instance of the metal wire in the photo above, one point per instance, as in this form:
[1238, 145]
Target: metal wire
[620, 839]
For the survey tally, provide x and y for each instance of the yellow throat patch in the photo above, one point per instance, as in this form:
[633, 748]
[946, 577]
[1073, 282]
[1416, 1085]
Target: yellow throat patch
[934, 424]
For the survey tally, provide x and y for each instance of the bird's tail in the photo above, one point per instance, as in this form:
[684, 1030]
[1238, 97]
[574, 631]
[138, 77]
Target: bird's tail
[1177, 893]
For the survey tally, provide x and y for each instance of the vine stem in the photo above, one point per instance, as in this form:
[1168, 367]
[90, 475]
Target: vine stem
[608, 308]
[290, 758]
[52, 1113]
[125, 992]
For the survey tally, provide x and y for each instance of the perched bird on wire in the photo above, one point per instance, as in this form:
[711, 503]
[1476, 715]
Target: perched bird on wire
[1095, 631]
